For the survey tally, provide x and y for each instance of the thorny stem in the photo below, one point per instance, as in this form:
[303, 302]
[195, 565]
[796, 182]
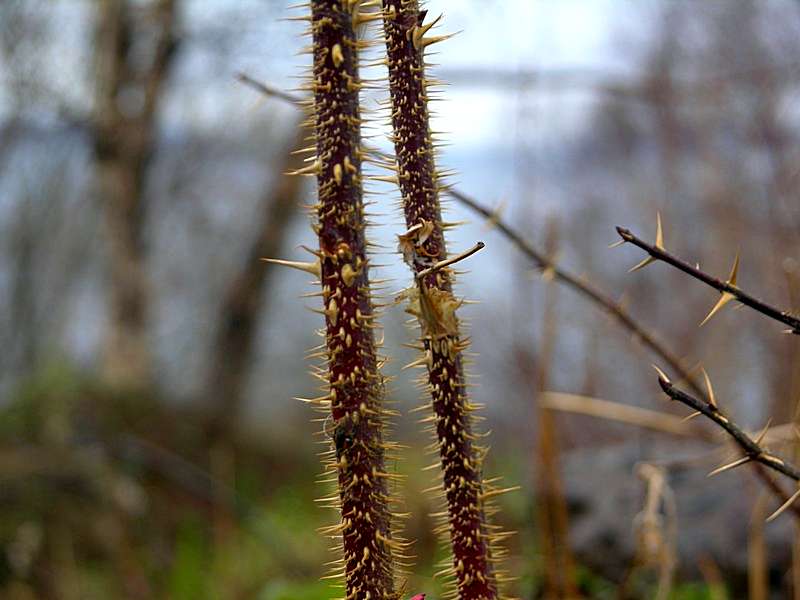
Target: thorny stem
[752, 448]
[355, 383]
[719, 285]
[424, 247]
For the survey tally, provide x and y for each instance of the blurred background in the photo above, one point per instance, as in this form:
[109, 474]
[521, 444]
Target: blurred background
[149, 443]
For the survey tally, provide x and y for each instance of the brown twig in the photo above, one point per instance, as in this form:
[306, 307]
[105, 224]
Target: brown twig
[752, 448]
[268, 90]
[584, 288]
[724, 287]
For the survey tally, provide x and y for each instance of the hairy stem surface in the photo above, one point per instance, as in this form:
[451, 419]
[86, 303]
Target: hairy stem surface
[432, 301]
[355, 384]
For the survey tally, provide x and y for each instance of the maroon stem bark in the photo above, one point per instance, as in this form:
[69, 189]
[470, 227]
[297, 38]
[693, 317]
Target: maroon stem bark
[355, 383]
[435, 305]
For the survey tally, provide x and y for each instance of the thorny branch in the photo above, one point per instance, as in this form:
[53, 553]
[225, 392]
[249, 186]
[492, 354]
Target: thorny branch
[584, 288]
[724, 287]
[752, 448]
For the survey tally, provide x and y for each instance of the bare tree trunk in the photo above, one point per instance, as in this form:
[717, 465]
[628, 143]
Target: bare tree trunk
[243, 308]
[127, 96]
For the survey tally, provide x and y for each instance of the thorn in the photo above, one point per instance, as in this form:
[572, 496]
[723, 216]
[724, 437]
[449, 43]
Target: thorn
[659, 244]
[309, 267]
[311, 251]
[642, 264]
[659, 232]
[726, 297]
[784, 506]
[763, 433]
[661, 375]
[729, 466]
[734, 271]
[311, 169]
[696, 413]
[420, 30]
[423, 29]
[616, 244]
[425, 42]
[712, 399]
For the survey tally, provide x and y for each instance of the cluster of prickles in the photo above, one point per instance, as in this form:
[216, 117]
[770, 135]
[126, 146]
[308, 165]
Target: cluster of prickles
[353, 397]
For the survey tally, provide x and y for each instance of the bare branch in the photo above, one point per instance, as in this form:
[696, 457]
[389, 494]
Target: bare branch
[268, 90]
[584, 288]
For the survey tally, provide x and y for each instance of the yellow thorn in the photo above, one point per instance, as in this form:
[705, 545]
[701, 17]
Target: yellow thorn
[337, 56]
[763, 433]
[729, 466]
[425, 42]
[734, 271]
[309, 267]
[659, 244]
[712, 399]
[642, 264]
[661, 374]
[724, 299]
[784, 506]
[426, 28]
[348, 274]
[696, 413]
[659, 232]
[311, 169]
[726, 296]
